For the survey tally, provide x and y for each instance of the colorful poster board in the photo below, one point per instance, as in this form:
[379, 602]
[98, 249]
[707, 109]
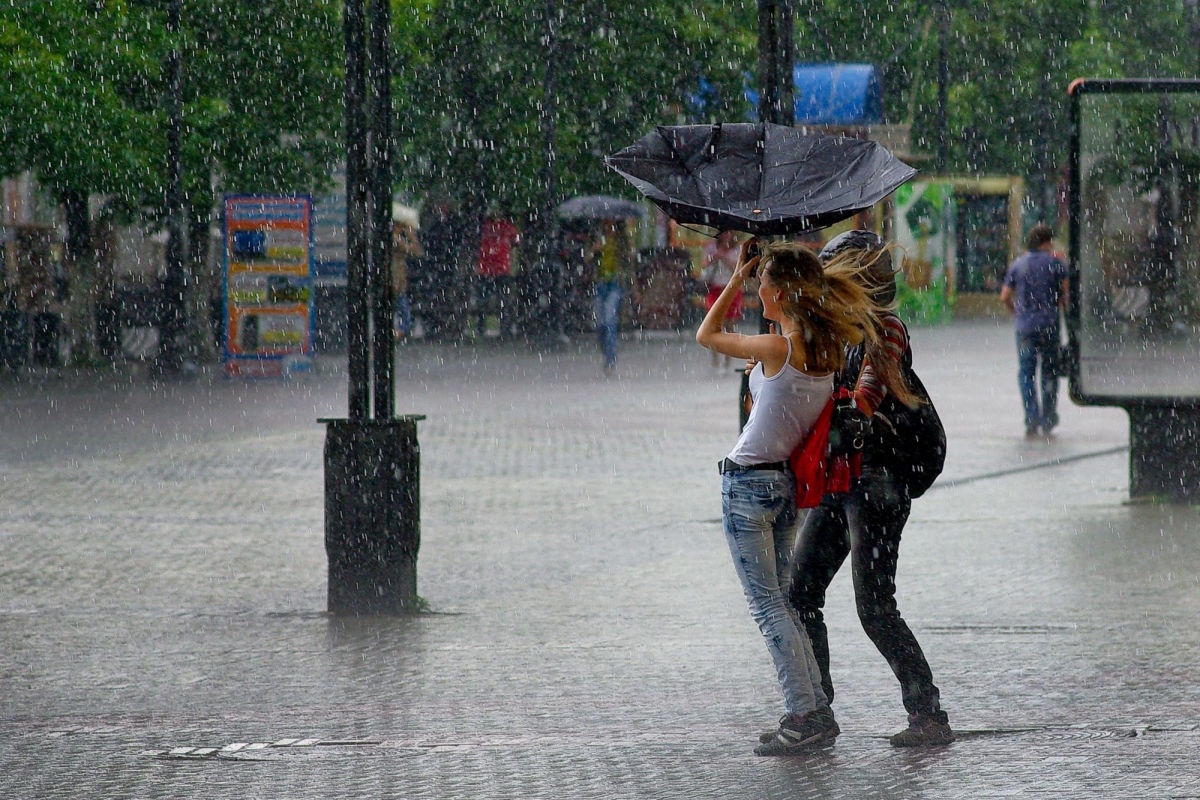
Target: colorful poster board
[268, 282]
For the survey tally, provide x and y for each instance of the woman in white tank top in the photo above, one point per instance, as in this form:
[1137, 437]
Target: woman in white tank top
[816, 314]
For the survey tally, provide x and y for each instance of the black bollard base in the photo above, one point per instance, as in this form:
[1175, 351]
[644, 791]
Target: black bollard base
[372, 515]
[1164, 453]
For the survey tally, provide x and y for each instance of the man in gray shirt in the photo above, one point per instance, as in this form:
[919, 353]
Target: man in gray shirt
[1035, 288]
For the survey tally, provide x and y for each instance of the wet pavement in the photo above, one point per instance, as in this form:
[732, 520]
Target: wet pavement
[162, 595]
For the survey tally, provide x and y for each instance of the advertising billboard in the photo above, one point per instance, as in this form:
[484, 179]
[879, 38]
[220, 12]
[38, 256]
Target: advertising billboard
[268, 285]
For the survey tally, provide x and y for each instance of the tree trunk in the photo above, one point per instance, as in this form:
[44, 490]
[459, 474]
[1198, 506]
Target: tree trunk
[81, 277]
[205, 284]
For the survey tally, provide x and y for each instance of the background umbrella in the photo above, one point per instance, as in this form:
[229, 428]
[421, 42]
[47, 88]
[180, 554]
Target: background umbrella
[405, 214]
[600, 206]
[759, 178]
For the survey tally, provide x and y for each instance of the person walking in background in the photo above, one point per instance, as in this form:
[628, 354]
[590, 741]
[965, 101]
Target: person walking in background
[443, 238]
[865, 523]
[720, 260]
[611, 251]
[816, 313]
[493, 272]
[405, 244]
[1034, 290]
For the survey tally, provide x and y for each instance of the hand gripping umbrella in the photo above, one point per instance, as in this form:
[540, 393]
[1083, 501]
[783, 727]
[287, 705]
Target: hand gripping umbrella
[760, 178]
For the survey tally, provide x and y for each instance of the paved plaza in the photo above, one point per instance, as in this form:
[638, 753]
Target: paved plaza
[162, 594]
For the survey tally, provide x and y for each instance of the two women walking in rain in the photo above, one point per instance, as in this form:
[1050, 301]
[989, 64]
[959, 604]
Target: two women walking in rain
[832, 326]
[775, 180]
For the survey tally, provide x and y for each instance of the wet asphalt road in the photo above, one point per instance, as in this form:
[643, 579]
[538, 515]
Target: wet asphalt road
[162, 595]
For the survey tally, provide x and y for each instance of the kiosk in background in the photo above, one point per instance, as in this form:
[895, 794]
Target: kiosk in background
[1134, 308]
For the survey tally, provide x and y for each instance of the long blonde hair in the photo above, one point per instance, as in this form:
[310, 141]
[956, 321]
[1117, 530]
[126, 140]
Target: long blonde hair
[873, 266]
[829, 304]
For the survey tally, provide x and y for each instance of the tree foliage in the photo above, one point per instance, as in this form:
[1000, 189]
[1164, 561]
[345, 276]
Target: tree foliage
[83, 90]
[81, 84]
[75, 83]
[263, 95]
[471, 83]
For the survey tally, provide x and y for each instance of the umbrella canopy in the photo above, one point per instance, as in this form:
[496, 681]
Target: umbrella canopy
[600, 206]
[759, 178]
[406, 215]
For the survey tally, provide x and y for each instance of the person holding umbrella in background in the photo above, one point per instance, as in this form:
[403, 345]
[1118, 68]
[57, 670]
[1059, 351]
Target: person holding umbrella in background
[405, 245]
[612, 253]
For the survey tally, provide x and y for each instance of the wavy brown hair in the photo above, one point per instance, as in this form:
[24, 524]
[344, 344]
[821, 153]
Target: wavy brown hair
[873, 268]
[832, 307]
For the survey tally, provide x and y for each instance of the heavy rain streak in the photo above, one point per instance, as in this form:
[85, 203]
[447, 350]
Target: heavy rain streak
[608, 399]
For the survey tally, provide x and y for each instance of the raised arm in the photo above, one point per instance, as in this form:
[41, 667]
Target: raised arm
[770, 349]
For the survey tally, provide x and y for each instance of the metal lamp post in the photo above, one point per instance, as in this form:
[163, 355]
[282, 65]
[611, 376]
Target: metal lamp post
[776, 63]
[372, 459]
[776, 56]
[551, 265]
[172, 349]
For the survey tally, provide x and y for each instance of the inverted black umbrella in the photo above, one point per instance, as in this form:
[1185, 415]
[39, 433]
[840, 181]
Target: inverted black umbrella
[759, 178]
[600, 206]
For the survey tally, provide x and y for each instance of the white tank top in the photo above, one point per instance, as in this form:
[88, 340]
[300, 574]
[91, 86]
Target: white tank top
[786, 406]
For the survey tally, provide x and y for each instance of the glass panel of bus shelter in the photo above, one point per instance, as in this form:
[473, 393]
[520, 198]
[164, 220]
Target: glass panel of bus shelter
[1139, 245]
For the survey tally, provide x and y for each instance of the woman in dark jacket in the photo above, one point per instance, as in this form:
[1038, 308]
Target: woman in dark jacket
[866, 522]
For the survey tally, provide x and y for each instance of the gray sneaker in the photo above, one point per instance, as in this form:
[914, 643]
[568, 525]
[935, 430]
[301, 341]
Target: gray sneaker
[796, 736]
[923, 731]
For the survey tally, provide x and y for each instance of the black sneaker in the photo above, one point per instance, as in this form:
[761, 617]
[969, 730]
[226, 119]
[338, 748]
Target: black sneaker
[796, 736]
[923, 731]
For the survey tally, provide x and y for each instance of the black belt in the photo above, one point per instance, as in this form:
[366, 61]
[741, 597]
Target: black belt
[725, 465]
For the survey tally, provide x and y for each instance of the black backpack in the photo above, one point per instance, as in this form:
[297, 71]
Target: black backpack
[910, 442]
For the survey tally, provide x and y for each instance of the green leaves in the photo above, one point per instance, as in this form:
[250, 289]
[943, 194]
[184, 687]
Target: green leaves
[470, 88]
[82, 89]
[83, 94]
[69, 84]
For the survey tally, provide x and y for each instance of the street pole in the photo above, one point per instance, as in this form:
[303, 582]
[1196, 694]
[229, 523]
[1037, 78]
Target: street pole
[379, 181]
[768, 62]
[1194, 29]
[943, 73]
[172, 346]
[358, 323]
[776, 104]
[785, 65]
[551, 267]
[372, 459]
[1042, 181]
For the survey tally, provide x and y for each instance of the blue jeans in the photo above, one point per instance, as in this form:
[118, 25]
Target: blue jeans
[1033, 348]
[608, 305]
[402, 317]
[759, 508]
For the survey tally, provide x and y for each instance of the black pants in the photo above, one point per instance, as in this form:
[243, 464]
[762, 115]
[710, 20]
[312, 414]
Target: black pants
[865, 524]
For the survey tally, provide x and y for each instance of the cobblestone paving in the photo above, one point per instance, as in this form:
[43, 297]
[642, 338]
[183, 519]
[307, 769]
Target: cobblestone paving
[162, 592]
